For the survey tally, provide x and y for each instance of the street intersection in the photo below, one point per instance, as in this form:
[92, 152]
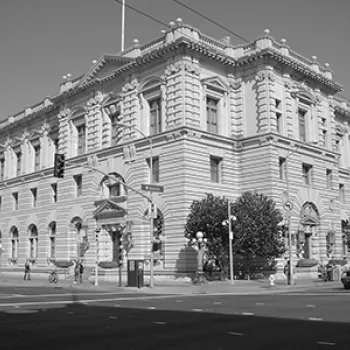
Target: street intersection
[37, 317]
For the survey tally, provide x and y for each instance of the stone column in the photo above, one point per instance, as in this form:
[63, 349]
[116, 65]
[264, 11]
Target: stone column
[94, 123]
[63, 131]
[131, 107]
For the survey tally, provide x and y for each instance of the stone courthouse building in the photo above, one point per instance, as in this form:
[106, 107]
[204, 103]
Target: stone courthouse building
[209, 117]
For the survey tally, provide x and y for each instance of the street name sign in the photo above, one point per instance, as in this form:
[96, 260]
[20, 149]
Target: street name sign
[152, 188]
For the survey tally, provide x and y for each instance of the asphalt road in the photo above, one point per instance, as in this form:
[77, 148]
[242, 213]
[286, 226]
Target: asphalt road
[47, 318]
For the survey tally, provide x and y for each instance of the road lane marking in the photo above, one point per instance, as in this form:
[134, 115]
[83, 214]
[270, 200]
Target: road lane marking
[259, 303]
[310, 305]
[151, 308]
[197, 310]
[116, 305]
[247, 313]
[70, 313]
[325, 343]
[315, 319]
[234, 333]
[179, 301]
[159, 322]
[113, 317]
[2, 296]
[217, 303]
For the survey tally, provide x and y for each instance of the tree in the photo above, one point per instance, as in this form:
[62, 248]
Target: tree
[207, 216]
[256, 231]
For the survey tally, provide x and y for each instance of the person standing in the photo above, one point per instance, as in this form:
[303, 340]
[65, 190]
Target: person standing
[26, 270]
[81, 271]
[287, 271]
[77, 272]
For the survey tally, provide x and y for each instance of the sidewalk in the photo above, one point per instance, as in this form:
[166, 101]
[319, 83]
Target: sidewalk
[172, 286]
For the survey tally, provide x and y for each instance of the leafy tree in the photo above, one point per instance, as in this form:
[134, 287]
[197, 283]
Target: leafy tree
[207, 216]
[257, 235]
[256, 232]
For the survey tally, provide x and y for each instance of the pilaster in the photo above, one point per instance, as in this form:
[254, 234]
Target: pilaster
[63, 131]
[94, 123]
[288, 106]
[235, 107]
[131, 104]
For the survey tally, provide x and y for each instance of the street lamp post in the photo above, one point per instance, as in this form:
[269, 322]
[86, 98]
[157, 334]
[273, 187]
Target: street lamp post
[151, 214]
[200, 244]
[231, 218]
[97, 231]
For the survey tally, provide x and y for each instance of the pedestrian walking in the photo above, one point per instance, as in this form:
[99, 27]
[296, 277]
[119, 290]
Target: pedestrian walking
[287, 271]
[26, 270]
[81, 271]
[77, 272]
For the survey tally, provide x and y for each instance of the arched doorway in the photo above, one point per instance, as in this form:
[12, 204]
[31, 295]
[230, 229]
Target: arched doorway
[307, 230]
[33, 241]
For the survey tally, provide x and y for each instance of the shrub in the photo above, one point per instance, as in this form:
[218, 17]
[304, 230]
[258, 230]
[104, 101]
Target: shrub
[307, 263]
[63, 263]
[108, 264]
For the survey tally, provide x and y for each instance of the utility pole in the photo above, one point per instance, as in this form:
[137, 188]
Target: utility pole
[123, 26]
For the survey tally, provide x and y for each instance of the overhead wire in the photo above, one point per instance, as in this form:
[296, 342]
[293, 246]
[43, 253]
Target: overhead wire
[211, 20]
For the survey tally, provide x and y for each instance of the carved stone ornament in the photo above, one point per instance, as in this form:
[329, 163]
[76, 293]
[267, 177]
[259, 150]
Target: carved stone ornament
[173, 68]
[64, 112]
[97, 99]
[235, 84]
[45, 128]
[192, 68]
[265, 75]
[130, 86]
[288, 84]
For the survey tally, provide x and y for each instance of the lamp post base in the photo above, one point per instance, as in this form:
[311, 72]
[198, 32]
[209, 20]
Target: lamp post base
[199, 278]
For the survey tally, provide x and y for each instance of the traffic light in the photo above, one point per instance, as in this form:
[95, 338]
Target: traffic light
[58, 170]
[157, 234]
[120, 248]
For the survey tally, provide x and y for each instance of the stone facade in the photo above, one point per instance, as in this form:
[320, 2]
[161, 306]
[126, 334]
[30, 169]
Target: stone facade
[220, 118]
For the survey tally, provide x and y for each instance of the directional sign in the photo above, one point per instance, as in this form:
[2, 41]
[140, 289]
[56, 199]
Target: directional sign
[152, 188]
[287, 206]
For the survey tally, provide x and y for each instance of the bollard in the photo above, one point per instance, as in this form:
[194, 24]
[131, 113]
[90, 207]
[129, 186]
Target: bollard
[272, 280]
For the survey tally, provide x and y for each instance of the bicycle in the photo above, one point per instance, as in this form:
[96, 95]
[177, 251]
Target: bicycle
[53, 277]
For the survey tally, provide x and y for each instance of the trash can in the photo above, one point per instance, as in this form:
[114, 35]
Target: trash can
[329, 273]
[136, 273]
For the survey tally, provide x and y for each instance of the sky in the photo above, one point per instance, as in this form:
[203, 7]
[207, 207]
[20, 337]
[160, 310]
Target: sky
[43, 40]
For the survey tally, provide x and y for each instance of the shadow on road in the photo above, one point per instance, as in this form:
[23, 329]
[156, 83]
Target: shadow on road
[83, 326]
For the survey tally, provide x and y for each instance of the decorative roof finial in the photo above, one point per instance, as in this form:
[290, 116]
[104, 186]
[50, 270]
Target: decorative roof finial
[135, 41]
[314, 58]
[172, 24]
[326, 65]
[64, 77]
[283, 41]
[179, 22]
[267, 32]
[94, 62]
[163, 31]
[69, 75]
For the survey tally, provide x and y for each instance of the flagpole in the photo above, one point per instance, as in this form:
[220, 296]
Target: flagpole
[123, 25]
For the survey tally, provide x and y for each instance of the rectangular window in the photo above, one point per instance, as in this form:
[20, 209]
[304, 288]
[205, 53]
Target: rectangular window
[81, 130]
[155, 116]
[19, 162]
[212, 115]
[329, 176]
[302, 130]
[54, 192]
[155, 169]
[78, 179]
[282, 168]
[114, 129]
[2, 169]
[307, 174]
[37, 158]
[15, 200]
[34, 192]
[279, 122]
[52, 246]
[215, 165]
[342, 193]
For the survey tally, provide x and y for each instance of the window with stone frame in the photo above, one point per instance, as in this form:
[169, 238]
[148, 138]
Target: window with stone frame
[342, 193]
[37, 151]
[301, 124]
[78, 180]
[14, 242]
[212, 115]
[282, 165]
[112, 186]
[112, 116]
[153, 105]
[15, 200]
[33, 241]
[307, 174]
[52, 239]
[2, 167]
[215, 169]
[154, 175]
[80, 134]
[34, 192]
[18, 159]
[279, 115]
[329, 178]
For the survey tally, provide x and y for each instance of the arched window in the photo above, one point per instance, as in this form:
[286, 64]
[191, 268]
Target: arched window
[33, 241]
[112, 188]
[14, 242]
[52, 239]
